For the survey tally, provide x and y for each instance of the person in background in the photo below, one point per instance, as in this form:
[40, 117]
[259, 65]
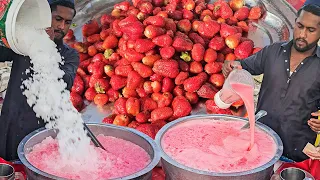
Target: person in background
[315, 2]
[290, 91]
[17, 118]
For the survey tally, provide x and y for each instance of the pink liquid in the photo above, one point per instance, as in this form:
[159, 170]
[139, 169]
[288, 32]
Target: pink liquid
[217, 146]
[122, 158]
[246, 94]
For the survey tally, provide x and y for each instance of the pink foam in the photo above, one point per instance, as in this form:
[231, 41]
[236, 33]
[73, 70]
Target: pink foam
[122, 158]
[217, 146]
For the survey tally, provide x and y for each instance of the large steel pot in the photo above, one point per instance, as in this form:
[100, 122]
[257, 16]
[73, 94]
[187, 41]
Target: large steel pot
[177, 171]
[128, 134]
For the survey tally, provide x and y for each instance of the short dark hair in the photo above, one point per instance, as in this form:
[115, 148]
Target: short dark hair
[67, 4]
[311, 8]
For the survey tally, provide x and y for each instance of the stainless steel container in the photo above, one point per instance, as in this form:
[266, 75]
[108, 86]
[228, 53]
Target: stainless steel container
[292, 174]
[177, 171]
[128, 134]
[6, 172]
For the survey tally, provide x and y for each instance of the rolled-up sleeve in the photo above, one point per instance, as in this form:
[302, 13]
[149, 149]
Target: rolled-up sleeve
[6, 54]
[71, 63]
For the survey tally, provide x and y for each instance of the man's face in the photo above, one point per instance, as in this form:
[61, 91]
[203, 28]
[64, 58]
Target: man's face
[306, 31]
[61, 21]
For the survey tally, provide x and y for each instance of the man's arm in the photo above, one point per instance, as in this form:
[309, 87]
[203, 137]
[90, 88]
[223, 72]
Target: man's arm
[70, 68]
[6, 54]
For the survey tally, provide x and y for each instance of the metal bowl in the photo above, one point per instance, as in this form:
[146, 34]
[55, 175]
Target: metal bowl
[128, 134]
[177, 171]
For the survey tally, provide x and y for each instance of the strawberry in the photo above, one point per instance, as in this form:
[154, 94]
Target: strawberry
[167, 85]
[170, 25]
[178, 91]
[189, 5]
[134, 80]
[145, 7]
[163, 40]
[227, 30]
[152, 31]
[90, 94]
[230, 57]
[142, 16]
[124, 6]
[197, 52]
[93, 38]
[149, 60]
[217, 80]
[163, 14]
[184, 25]
[80, 47]
[212, 108]
[255, 50]
[238, 104]
[121, 120]
[210, 55]
[133, 56]
[195, 25]
[155, 20]
[83, 57]
[217, 43]
[196, 67]
[118, 82]
[141, 92]
[236, 4]
[221, 20]
[133, 29]
[244, 50]
[123, 70]
[110, 42]
[167, 52]
[78, 85]
[156, 77]
[183, 66]
[69, 36]
[143, 45]
[213, 68]
[108, 70]
[147, 129]
[242, 14]
[161, 114]
[182, 44]
[131, 43]
[200, 7]
[187, 14]
[147, 87]
[243, 25]
[109, 119]
[90, 28]
[102, 85]
[182, 76]
[181, 107]
[176, 15]
[96, 69]
[255, 13]
[233, 41]
[92, 51]
[101, 99]
[133, 124]
[156, 96]
[76, 101]
[148, 104]
[120, 106]
[99, 57]
[226, 50]
[133, 12]
[143, 70]
[209, 28]
[128, 92]
[133, 106]
[143, 117]
[86, 80]
[166, 68]
[156, 86]
[193, 97]
[113, 95]
[99, 46]
[225, 11]
[81, 73]
[106, 19]
[192, 84]
[220, 57]
[207, 91]
[165, 100]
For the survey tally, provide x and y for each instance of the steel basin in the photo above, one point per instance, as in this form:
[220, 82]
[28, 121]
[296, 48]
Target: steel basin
[177, 171]
[128, 134]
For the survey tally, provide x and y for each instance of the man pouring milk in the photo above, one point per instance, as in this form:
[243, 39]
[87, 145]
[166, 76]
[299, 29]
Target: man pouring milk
[290, 90]
[17, 118]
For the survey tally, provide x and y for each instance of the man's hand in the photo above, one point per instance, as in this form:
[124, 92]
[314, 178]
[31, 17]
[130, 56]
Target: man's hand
[228, 66]
[315, 123]
[50, 32]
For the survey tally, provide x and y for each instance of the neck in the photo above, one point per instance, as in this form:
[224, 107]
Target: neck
[306, 53]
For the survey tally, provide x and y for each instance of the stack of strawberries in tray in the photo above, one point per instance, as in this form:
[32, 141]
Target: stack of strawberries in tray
[155, 59]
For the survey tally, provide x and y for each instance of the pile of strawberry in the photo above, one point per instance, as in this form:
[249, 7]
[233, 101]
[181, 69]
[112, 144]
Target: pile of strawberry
[156, 58]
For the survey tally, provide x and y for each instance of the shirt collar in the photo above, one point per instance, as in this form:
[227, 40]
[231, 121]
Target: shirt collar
[287, 45]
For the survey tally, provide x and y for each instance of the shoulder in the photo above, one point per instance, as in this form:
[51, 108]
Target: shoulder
[69, 53]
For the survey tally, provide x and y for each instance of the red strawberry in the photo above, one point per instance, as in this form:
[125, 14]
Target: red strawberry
[93, 38]
[166, 68]
[181, 107]
[209, 28]
[147, 129]
[156, 86]
[227, 30]
[81, 72]
[133, 29]
[145, 7]
[132, 55]
[184, 25]
[92, 51]
[152, 31]
[184, 66]
[193, 97]
[220, 57]
[69, 35]
[128, 92]
[76, 101]
[200, 7]
[197, 39]
[217, 80]
[182, 76]
[118, 82]
[143, 70]
[196, 67]
[124, 6]
[187, 14]
[195, 25]
[109, 70]
[134, 80]
[167, 85]
[212, 108]
[217, 43]
[80, 47]
[78, 85]
[213, 68]
[147, 87]
[182, 44]
[255, 50]
[156, 77]
[230, 57]
[143, 45]
[197, 52]
[192, 84]
[225, 11]
[121, 120]
[99, 46]
[83, 57]
[236, 4]
[120, 106]
[244, 26]
[113, 95]
[244, 50]
[133, 124]
[163, 40]
[207, 91]
[255, 13]
[161, 114]
[110, 42]
[176, 15]
[101, 99]
[189, 5]
[101, 85]
[106, 19]
[143, 117]
[99, 57]
[155, 20]
[141, 92]
[167, 52]
[149, 60]
[178, 91]
[133, 106]
[96, 69]
[210, 55]
[90, 28]
[123, 70]
[105, 33]
[233, 41]
[148, 104]
[242, 14]
[170, 24]
[165, 100]
[159, 124]
[109, 119]
[90, 94]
